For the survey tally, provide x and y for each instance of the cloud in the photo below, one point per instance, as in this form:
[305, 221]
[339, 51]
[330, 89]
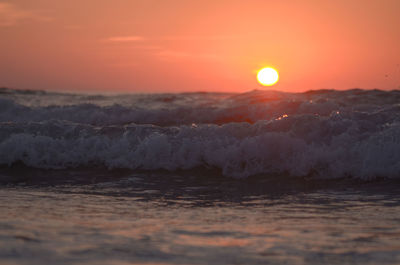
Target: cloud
[162, 53]
[126, 39]
[11, 15]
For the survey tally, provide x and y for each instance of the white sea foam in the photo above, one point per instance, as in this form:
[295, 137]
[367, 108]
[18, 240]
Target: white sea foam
[328, 134]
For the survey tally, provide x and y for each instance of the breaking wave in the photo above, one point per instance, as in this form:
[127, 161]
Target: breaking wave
[325, 134]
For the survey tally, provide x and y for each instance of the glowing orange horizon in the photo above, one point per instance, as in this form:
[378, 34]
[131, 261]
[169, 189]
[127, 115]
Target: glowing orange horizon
[174, 46]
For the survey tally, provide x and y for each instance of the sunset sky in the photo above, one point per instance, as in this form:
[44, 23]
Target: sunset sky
[202, 45]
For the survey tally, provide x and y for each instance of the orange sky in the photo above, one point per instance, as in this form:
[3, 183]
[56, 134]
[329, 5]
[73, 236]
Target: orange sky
[199, 45]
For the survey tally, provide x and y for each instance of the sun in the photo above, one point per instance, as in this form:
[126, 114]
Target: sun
[268, 76]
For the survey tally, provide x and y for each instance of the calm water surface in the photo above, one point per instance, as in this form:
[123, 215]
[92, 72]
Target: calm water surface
[164, 219]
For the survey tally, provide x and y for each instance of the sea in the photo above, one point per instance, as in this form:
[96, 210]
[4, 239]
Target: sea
[262, 177]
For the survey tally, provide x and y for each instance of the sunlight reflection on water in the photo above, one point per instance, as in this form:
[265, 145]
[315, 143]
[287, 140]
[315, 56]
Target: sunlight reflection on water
[92, 224]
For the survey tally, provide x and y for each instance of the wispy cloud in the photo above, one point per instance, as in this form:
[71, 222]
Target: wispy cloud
[11, 15]
[125, 39]
[163, 53]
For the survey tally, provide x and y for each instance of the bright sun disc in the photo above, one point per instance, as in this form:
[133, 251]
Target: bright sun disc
[268, 76]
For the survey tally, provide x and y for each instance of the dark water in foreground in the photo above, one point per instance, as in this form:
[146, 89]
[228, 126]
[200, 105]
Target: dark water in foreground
[122, 217]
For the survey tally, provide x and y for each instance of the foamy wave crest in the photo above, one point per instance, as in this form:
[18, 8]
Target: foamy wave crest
[325, 133]
[328, 147]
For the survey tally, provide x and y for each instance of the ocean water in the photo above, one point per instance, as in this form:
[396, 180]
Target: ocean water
[263, 177]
